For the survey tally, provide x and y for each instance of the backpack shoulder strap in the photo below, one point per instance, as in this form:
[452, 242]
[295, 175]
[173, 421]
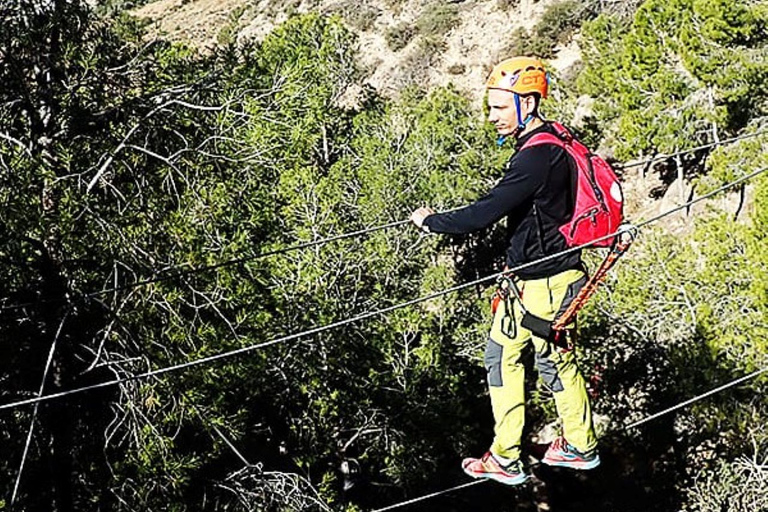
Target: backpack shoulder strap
[562, 132]
[543, 138]
[562, 138]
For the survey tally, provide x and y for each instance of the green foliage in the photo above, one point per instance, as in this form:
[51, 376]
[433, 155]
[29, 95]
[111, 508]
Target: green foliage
[360, 16]
[673, 75]
[122, 160]
[115, 7]
[420, 59]
[556, 27]
[228, 33]
[435, 21]
[733, 485]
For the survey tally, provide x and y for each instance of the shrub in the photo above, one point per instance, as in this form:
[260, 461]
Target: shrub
[424, 56]
[358, 16]
[399, 36]
[438, 19]
[557, 25]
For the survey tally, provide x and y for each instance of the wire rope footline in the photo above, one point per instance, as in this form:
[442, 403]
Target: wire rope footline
[625, 427]
[378, 312]
[697, 398]
[429, 496]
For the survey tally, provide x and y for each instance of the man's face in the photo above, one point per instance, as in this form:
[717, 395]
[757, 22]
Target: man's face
[502, 111]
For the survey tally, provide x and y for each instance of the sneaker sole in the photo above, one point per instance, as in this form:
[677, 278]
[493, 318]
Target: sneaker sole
[592, 464]
[498, 478]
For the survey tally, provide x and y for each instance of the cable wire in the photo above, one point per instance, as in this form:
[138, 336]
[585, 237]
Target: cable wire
[294, 336]
[625, 427]
[30, 432]
[697, 398]
[374, 313]
[659, 158]
[223, 264]
[246, 259]
[323, 241]
[207, 268]
[428, 496]
[377, 312]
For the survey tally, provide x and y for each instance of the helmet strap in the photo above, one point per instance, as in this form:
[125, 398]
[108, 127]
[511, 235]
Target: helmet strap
[521, 123]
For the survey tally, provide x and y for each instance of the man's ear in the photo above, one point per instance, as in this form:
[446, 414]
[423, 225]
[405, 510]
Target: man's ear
[530, 103]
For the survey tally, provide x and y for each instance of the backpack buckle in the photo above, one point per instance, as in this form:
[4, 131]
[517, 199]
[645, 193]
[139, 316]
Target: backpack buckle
[563, 133]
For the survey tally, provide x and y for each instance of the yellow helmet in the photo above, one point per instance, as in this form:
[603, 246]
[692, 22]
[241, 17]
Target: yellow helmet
[520, 75]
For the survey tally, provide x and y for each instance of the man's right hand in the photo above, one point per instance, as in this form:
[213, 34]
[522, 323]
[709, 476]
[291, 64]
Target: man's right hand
[418, 216]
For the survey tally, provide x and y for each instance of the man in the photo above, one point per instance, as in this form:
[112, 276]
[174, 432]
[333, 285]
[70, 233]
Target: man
[536, 198]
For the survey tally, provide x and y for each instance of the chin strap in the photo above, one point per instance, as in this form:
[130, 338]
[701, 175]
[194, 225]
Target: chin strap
[521, 123]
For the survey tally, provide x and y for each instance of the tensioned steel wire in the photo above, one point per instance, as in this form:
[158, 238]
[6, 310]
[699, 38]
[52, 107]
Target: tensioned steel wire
[163, 276]
[660, 158]
[429, 496]
[636, 424]
[378, 312]
[174, 273]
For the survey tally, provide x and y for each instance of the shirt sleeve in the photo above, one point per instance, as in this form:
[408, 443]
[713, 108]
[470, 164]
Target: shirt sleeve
[526, 172]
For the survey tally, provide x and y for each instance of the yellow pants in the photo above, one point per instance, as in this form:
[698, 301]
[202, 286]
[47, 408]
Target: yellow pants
[557, 368]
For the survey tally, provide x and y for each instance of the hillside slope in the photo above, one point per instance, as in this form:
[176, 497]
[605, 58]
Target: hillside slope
[400, 43]
[426, 43]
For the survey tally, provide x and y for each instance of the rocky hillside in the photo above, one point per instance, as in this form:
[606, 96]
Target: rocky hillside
[400, 42]
[429, 43]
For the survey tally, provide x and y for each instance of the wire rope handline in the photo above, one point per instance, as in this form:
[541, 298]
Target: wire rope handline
[377, 312]
[625, 427]
[228, 263]
[322, 241]
[659, 158]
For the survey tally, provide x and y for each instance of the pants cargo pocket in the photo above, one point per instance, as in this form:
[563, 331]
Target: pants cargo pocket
[548, 373]
[492, 358]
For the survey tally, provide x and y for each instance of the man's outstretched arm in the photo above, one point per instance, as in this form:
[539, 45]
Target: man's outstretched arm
[514, 188]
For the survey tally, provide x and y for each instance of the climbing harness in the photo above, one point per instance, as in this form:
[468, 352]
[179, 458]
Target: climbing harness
[556, 330]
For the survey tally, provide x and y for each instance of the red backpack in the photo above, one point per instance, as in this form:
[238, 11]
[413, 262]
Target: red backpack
[598, 201]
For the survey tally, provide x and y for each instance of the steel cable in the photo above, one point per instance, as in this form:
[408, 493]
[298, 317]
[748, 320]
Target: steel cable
[378, 312]
[322, 241]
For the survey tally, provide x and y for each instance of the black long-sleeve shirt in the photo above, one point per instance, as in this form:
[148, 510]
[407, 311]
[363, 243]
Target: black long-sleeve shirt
[536, 196]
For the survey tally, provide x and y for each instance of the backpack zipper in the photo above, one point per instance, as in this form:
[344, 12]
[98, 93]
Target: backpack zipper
[589, 214]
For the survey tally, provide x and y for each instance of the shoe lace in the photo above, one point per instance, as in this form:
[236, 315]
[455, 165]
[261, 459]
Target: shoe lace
[560, 444]
[514, 466]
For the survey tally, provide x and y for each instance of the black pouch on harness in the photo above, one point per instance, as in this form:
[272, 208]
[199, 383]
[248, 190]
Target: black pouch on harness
[543, 329]
[539, 327]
